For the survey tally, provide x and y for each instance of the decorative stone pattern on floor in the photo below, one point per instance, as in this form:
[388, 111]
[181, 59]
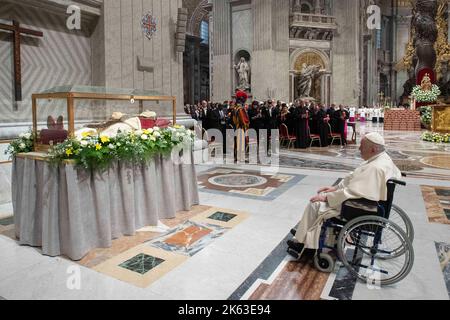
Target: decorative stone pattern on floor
[247, 184]
[437, 202]
[278, 277]
[443, 251]
[153, 258]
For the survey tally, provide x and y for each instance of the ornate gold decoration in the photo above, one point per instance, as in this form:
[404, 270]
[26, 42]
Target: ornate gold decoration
[442, 46]
[426, 83]
[406, 63]
[310, 58]
[441, 119]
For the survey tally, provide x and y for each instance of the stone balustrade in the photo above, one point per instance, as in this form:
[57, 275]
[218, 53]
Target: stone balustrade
[312, 20]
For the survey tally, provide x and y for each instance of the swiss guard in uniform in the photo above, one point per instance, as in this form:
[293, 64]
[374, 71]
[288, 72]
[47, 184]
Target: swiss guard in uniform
[241, 123]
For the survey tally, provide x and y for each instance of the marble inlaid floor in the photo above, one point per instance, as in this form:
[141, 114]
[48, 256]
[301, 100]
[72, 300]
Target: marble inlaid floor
[246, 184]
[158, 254]
[444, 258]
[437, 201]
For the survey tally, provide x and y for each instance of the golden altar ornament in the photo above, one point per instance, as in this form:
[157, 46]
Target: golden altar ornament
[441, 118]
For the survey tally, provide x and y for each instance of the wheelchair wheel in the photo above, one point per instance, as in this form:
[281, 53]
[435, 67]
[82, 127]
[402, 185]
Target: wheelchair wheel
[375, 250]
[324, 262]
[400, 218]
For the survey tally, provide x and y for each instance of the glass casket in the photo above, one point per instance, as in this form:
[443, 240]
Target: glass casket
[60, 111]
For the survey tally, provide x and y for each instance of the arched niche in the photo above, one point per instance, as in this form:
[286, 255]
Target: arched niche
[310, 56]
[199, 14]
[242, 53]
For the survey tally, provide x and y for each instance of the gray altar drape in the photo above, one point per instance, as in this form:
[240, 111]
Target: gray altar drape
[70, 211]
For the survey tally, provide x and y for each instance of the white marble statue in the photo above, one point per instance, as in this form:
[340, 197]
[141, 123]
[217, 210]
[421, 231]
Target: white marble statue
[243, 70]
[306, 78]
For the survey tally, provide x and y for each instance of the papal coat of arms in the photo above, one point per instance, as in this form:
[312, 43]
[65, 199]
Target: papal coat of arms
[148, 24]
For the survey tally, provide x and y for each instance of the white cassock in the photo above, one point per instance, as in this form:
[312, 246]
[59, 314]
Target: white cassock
[363, 113]
[129, 125]
[352, 112]
[368, 181]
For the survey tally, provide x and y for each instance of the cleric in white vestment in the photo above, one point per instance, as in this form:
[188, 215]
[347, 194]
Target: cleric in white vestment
[368, 181]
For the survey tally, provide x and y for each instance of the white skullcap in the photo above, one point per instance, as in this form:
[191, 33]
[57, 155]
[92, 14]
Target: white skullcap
[148, 114]
[117, 115]
[376, 138]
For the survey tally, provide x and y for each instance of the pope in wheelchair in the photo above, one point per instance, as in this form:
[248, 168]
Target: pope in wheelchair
[357, 212]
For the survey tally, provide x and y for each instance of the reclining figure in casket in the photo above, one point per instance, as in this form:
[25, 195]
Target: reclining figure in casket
[120, 122]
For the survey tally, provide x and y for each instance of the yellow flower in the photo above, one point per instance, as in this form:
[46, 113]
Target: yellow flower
[69, 152]
[98, 146]
[104, 139]
[177, 126]
[86, 134]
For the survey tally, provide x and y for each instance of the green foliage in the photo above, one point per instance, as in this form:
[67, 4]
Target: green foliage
[436, 137]
[99, 152]
[426, 96]
[426, 115]
[24, 144]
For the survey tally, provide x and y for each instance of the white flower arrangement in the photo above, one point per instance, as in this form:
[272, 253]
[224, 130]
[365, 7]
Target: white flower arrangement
[426, 96]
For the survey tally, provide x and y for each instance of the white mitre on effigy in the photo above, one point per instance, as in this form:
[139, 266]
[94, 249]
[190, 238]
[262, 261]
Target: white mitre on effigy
[375, 138]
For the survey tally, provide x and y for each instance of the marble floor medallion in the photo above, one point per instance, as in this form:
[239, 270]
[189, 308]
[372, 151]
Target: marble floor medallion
[237, 181]
[247, 184]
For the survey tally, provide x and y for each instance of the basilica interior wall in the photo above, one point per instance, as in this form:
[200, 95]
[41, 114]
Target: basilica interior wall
[134, 61]
[345, 54]
[60, 57]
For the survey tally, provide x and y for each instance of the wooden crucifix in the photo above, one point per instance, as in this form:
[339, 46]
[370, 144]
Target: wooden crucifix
[17, 32]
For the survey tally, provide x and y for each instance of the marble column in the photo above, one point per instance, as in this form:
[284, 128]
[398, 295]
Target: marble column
[346, 51]
[270, 49]
[221, 45]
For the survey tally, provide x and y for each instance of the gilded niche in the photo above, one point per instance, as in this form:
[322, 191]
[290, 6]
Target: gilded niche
[441, 119]
[310, 59]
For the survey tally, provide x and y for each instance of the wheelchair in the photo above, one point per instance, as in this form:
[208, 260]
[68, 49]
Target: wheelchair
[373, 240]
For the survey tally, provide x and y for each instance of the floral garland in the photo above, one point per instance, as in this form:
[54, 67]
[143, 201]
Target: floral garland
[24, 144]
[426, 115]
[426, 96]
[436, 137]
[99, 152]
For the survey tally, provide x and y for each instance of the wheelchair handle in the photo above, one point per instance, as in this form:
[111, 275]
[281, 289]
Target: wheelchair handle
[404, 174]
[402, 183]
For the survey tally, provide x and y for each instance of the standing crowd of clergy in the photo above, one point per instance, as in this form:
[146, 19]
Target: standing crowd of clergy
[300, 119]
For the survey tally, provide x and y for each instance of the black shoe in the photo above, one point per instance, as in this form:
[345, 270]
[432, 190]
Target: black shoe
[297, 246]
[293, 232]
[309, 253]
[293, 253]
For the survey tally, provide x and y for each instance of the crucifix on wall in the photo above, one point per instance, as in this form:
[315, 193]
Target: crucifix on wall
[17, 32]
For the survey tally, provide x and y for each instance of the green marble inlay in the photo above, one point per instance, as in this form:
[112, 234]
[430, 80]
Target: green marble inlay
[443, 193]
[7, 221]
[141, 263]
[222, 216]
[447, 213]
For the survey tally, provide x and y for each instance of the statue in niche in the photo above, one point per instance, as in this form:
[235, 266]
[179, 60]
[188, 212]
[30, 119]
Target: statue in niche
[243, 70]
[307, 77]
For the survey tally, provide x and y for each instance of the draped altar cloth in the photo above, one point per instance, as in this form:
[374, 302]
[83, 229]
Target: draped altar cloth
[70, 211]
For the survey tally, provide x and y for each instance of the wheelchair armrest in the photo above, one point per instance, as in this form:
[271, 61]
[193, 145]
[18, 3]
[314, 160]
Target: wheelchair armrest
[401, 183]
